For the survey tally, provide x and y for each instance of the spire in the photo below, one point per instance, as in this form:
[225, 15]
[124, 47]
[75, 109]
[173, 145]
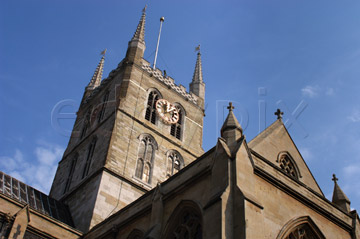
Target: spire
[139, 34]
[96, 79]
[198, 77]
[231, 130]
[136, 47]
[339, 198]
[197, 86]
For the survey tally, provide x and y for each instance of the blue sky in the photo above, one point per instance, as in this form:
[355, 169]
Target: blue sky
[301, 56]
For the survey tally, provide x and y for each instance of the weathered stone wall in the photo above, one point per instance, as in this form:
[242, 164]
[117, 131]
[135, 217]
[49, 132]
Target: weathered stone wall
[113, 194]
[81, 202]
[102, 133]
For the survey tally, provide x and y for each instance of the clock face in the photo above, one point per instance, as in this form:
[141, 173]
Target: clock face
[167, 111]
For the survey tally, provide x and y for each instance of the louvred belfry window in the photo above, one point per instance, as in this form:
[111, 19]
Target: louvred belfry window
[176, 129]
[150, 113]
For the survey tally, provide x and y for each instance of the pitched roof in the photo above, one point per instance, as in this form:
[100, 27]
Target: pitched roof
[37, 200]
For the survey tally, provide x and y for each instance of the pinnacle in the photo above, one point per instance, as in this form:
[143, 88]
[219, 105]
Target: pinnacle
[231, 127]
[96, 79]
[339, 197]
[139, 34]
[198, 77]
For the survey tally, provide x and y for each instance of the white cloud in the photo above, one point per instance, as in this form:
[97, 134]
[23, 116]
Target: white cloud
[38, 173]
[310, 91]
[314, 91]
[351, 170]
[355, 116]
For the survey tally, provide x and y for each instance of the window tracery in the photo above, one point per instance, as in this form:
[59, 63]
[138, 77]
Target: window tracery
[300, 228]
[302, 232]
[150, 113]
[186, 223]
[145, 159]
[287, 164]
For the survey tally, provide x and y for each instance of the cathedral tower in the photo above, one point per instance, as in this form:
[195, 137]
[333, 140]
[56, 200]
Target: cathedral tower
[120, 148]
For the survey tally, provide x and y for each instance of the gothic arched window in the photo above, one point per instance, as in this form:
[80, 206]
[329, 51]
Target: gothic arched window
[300, 228]
[174, 163]
[145, 158]
[71, 173]
[301, 232]
[176, 129]
[103, 106]
[288, 165]
[150, 113]
[89, 157]
[136, 234]
[86, 124]
[185, 222]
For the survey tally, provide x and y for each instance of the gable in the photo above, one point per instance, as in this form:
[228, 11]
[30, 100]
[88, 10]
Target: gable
[273, 143]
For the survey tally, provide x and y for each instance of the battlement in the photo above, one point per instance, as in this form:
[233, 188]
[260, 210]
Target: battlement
[170, 82]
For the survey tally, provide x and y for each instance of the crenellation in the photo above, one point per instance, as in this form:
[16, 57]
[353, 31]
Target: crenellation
[157, 74]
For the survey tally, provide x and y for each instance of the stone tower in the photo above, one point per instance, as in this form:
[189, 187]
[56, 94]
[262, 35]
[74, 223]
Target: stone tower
[119, 148]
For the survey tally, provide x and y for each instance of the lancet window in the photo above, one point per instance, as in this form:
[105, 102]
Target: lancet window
[145, 160]
[71, 173]
[174, 163]
[103, 107]
[150, 113]
[86, 124]
[89, 157]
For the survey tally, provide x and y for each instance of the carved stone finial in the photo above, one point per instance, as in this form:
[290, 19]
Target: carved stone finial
[230, 107]
[279, 114]
[335, 179]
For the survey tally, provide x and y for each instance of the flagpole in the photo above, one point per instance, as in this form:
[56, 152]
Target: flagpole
[162, 19]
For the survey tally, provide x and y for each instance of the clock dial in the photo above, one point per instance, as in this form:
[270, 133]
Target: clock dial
[167, 111]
